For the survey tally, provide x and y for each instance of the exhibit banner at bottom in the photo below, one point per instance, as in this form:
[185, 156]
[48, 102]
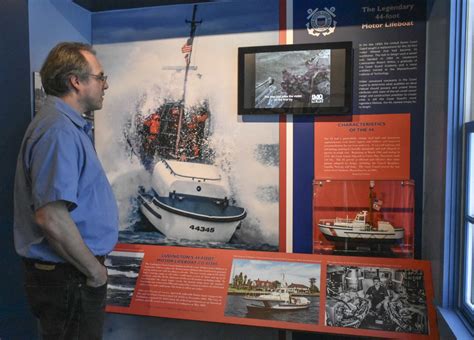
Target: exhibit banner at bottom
[331, 294]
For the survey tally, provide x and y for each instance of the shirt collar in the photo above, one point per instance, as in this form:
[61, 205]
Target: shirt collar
[68, 111]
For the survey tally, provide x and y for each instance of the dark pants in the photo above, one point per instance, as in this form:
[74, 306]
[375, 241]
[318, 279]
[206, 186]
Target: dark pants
[65, 306]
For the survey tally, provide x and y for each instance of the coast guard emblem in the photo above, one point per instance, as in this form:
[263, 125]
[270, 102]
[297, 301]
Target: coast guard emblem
[321, 21]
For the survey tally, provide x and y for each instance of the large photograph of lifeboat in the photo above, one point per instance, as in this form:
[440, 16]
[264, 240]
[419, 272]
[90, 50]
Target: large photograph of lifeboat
[185, 169]
[365, 218]
[274, 290]
[377, 298]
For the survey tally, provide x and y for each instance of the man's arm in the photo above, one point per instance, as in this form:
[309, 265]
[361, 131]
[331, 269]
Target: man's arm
[62, 234]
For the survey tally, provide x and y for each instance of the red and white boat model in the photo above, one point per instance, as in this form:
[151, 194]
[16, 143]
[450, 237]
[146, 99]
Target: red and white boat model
[359, 229]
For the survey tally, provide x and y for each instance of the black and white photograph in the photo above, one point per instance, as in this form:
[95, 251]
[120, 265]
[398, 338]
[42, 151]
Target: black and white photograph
[123, 269]
[274, 290]
[376, 298]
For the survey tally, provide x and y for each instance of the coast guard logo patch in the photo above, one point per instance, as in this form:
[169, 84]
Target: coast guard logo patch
[321, 21]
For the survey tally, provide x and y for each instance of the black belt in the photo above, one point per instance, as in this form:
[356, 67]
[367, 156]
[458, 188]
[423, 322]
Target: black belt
[47, 265]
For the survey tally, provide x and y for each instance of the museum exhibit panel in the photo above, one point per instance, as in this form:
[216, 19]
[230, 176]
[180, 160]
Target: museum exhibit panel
[269, 162]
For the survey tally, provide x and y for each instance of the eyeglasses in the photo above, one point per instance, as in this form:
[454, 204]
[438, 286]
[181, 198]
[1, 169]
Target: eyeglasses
[101, 77]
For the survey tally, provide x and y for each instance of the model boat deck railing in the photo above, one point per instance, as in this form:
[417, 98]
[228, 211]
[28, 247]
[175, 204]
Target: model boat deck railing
[330, 221]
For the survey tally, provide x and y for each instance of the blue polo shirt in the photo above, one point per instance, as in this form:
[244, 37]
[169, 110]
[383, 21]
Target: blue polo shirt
[58, 162]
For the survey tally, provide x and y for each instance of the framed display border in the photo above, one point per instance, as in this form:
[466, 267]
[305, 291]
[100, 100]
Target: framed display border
[204, 277]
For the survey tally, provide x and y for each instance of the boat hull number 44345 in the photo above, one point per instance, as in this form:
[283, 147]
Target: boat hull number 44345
[201, 228]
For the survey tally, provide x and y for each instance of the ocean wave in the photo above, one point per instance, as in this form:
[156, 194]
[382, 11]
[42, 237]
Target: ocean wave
[115, 287]
[127, 274]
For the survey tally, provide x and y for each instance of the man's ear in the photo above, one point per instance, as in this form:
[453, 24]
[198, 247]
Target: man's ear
[74, 82]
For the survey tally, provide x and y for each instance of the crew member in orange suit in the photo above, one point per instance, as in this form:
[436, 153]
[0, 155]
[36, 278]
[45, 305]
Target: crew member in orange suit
[153, 124]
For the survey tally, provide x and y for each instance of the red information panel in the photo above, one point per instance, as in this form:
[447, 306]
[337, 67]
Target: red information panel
[367, 147]
[359, 296]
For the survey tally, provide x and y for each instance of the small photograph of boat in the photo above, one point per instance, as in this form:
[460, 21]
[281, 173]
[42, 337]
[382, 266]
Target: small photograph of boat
[365, 218]
[278, 300]
[123, 269]
[274, 290]
[378, 298]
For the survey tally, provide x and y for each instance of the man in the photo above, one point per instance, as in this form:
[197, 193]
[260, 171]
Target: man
[66, 217]
[378, 295]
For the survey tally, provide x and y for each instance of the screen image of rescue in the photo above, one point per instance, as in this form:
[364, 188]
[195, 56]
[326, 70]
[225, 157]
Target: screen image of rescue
[179, 171]
[313, 73]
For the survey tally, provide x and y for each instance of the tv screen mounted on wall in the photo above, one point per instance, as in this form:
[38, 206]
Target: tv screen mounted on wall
[295, 79]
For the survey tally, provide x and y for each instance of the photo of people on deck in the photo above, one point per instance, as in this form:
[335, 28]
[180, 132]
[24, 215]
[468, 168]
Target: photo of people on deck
[274, 290]
[389, 299]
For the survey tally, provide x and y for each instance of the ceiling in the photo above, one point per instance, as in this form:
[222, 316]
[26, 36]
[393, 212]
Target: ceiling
[108, 5]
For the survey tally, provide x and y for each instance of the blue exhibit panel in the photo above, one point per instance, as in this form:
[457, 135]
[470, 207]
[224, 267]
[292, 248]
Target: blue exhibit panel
[303, 173]
[51, 22]
[382, 34]
[222, 17]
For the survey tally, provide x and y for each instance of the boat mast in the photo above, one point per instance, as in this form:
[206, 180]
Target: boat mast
[193, 24]
[371, 203]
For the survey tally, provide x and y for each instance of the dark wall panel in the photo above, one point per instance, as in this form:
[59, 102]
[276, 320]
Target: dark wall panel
[15, 319]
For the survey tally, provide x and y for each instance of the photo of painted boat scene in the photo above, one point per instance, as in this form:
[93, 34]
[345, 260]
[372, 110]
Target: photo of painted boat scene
[184, 170]
[274, 290]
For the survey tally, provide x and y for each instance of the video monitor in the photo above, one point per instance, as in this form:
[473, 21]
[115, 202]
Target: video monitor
[295, 79]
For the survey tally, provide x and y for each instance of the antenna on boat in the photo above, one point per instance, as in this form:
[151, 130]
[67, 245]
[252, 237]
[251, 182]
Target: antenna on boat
[188, 47]
[283, 282]
[371, 203]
